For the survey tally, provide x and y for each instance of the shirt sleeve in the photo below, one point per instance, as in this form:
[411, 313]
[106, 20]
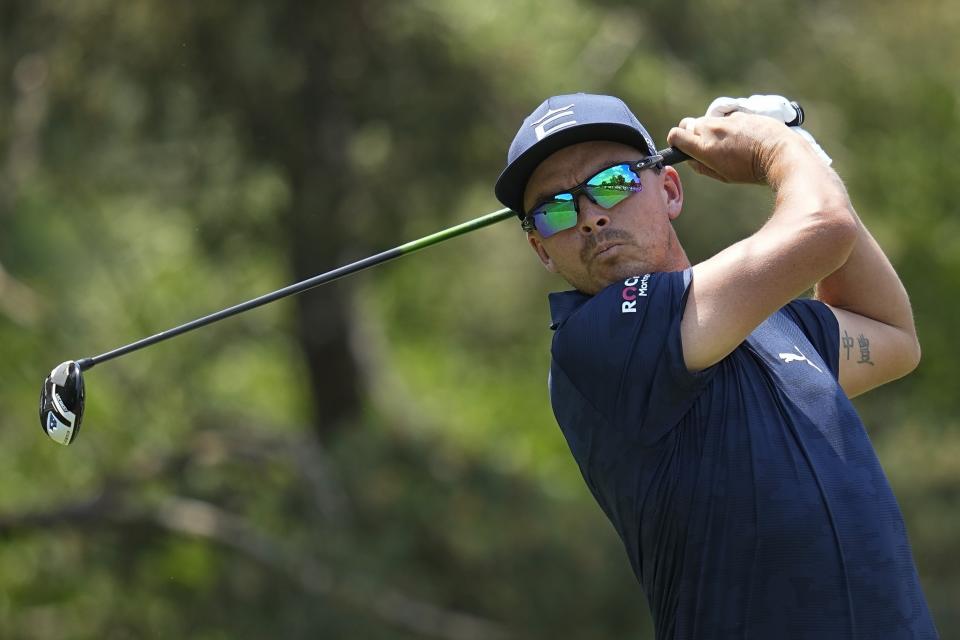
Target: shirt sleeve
[622, 351]
[820, 325]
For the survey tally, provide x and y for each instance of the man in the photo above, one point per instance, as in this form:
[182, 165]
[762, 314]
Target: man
[707, 407]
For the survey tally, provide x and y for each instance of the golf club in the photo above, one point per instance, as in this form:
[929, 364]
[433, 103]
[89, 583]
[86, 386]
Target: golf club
[62, 395]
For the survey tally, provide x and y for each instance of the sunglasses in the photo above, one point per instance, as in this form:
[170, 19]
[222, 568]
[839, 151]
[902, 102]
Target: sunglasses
[607, 188]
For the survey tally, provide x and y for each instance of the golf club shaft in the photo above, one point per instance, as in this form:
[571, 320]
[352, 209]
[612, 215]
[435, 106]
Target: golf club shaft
[315, 281]
[670, 156]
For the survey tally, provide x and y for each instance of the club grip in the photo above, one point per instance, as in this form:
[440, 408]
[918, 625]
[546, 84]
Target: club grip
[672, 155]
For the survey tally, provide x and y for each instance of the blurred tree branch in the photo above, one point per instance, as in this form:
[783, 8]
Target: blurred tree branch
[116, 507]
[201, 519]
[212, 446]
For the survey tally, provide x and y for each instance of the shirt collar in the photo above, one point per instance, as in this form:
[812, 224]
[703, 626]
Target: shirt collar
[563, 304]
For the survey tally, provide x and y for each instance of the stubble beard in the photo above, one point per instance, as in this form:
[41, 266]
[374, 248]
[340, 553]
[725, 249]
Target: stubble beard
[602, 273]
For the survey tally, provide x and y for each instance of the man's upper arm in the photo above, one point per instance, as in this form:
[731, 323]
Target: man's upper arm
[872, 353]
[740, 287]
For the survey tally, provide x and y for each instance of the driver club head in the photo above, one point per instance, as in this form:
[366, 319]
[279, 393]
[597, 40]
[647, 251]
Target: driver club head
[61, 402]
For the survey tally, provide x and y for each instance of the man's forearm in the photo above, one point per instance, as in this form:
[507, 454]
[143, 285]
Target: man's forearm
[868, 285]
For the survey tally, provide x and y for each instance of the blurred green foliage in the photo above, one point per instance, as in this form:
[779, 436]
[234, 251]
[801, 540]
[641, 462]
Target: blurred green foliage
[378, 459]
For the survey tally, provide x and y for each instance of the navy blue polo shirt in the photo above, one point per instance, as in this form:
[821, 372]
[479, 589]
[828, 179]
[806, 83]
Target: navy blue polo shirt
[748, 496]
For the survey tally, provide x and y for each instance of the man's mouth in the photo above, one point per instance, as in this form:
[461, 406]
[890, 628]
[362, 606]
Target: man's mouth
[604, 248]
[605, 243]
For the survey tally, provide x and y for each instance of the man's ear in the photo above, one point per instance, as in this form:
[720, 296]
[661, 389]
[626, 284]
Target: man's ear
[541, 252]
[672, 192]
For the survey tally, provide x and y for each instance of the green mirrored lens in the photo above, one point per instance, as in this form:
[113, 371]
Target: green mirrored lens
[556, 216]
[611, 186]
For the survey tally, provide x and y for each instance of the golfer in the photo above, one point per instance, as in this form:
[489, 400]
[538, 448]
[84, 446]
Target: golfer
[708, 405]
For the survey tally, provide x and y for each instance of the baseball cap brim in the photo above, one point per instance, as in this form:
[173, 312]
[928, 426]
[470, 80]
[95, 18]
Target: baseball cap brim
[513, 181]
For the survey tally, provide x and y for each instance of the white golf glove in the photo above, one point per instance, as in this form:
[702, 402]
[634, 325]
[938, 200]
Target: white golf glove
[776, 107]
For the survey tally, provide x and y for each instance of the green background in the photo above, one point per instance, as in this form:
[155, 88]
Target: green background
[377, 458]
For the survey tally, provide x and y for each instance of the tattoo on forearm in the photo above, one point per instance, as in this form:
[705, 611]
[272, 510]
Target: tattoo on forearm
[847, 343]
[862, 342]
[864, 350]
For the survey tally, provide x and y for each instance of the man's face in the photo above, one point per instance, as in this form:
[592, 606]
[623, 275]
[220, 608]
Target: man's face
[606, 245]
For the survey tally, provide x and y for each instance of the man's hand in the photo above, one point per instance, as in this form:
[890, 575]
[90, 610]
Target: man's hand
[739, 147]
[777, 107]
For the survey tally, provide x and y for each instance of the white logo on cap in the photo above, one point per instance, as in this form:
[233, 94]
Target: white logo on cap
[551, 115]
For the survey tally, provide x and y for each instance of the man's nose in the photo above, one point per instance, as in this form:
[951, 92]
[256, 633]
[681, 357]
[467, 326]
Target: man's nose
[592, 217]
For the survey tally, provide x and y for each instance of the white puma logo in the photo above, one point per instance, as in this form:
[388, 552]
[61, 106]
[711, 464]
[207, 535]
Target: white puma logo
[793, 357]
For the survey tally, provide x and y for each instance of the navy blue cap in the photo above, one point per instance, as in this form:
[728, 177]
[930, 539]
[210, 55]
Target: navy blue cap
[559, 122]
